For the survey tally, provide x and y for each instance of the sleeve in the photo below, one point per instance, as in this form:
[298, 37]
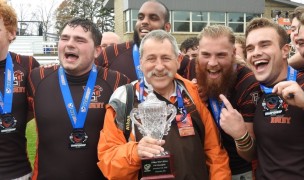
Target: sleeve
[117, 158]
[217, 159]
[35, 63]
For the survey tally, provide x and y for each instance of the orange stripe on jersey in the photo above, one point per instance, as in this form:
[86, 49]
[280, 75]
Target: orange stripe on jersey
[117, 80]
[18, 58]
[105, 58]
[30, 63]
[115, 49]
[41, 72]
[105, 73]
[32, 86]
[243, 79]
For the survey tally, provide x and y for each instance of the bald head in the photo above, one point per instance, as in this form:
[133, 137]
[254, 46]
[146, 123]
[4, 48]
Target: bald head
[109, 38]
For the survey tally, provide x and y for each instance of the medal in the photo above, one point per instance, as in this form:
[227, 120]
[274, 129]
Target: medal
[273, 105]
[78, 139]
[7, 120]
[7, 123]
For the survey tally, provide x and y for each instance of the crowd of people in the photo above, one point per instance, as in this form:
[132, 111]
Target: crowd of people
[239, 101]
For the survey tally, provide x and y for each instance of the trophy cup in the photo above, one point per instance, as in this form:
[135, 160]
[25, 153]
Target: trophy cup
[152, 120]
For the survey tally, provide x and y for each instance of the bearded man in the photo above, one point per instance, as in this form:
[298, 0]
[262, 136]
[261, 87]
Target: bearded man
[231, 92]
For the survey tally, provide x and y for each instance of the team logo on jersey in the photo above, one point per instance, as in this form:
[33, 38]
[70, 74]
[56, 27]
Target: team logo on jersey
[255, 97]
[95, 95]
[274, 105]
[18, 78]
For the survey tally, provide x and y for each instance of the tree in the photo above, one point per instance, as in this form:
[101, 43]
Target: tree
[44, 13]
[90, 9]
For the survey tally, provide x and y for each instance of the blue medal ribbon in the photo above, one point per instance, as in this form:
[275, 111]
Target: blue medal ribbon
[6, 100]
[216, 110]
[139, 73]
[77, 120]
[180, 105]
[291, 76]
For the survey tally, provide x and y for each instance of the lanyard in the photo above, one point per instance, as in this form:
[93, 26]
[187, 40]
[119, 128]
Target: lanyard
[77, 120]
[291, 76]
[216, 110]
[6, 100]
[139, 73]
[180, 104]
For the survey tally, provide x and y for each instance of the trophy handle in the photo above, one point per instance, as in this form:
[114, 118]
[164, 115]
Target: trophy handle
[170, 110]
[134, 115]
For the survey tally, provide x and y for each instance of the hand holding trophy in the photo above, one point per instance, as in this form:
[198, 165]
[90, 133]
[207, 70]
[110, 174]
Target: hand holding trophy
[152, 120]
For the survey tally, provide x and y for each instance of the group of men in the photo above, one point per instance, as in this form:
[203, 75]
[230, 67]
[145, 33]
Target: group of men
[233, 116]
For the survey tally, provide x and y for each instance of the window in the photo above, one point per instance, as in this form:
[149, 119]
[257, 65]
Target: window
[236, 22]
[181, 21]
[130, 20]
[199, 21]
[217, 18]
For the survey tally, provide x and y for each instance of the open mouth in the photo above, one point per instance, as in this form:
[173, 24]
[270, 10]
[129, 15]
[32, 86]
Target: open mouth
[143, 32]
[214, 73]
[260, 64]
[71, 56]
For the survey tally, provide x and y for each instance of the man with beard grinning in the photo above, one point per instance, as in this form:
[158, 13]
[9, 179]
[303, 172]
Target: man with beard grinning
[125, 57]
[231, 92]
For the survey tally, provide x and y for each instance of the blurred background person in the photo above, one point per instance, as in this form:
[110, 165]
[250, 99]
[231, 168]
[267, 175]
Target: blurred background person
[189, 47]
[109, 38]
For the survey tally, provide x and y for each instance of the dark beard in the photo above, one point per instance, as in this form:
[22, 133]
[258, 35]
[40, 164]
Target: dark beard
[136, 37]
[213, 88]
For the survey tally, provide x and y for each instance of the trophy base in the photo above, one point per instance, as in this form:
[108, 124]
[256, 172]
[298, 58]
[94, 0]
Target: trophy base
[159, 167]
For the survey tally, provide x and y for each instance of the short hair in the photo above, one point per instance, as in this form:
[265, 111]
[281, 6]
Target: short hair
[87, 25]
[297, 12]
[257, 23]
[9, 16]
[188, 43]
[216, 31]
[167, 13]
[160, 35]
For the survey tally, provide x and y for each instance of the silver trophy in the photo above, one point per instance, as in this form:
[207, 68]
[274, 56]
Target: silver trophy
[151, 117]
[152, 120]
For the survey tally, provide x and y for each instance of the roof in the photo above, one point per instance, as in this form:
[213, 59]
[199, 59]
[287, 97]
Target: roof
[288, 2]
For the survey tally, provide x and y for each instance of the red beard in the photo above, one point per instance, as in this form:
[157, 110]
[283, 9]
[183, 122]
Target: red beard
[212, 88]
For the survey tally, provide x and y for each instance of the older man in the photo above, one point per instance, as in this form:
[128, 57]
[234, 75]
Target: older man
[198, 155]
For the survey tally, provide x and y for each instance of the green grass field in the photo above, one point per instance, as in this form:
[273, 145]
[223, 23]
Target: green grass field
[31, 140]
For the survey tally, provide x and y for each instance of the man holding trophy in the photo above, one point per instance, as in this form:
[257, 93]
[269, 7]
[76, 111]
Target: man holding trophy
[172, 133]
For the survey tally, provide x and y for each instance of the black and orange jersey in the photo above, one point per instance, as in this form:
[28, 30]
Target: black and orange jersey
[243, 97]
[280, 142]
[54, 158]
[14, 161]
[119, 57]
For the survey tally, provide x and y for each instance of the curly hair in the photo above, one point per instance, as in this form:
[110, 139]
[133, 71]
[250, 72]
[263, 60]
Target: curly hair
[9, 17]
[189, 43]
